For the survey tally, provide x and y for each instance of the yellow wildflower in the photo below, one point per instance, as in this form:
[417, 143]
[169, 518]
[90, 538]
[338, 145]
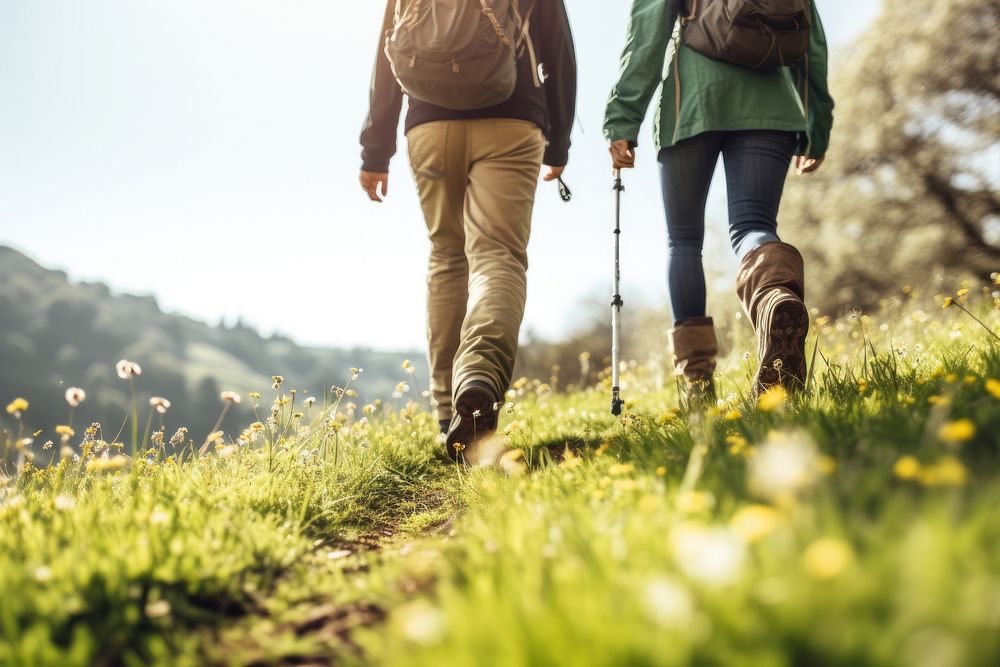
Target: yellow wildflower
[961, 430]
[948, 471]
[827, 558]
[17, 406]
[620, 469]
[104, 463]
[733, 415]
[962, 292]
[754, 522]
[773, 399]
[661, 471]
[907, 467]
[64, 431]
[993, 388]
[694, 502]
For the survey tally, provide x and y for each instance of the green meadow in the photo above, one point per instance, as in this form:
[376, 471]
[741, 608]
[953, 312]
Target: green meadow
[853, 525]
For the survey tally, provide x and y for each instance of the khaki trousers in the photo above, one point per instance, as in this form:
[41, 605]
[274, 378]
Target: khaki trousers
[476, 180]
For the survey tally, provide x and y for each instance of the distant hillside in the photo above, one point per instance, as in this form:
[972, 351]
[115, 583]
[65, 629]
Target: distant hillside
[56, 334]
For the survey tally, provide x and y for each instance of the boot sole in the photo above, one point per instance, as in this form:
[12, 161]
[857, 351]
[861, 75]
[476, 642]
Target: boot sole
[475, 419]
[784, 341]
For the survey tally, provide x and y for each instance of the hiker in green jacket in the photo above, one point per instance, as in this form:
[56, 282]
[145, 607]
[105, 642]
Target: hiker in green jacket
[759, 121]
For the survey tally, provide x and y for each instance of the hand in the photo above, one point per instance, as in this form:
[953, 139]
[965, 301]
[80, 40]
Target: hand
[553, 173]
[372, 182]
[807, 165]
[622, 155]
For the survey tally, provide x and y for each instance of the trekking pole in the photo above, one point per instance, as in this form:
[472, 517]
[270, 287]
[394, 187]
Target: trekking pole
[616, 302]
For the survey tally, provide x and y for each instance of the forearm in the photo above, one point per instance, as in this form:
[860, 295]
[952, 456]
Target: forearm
[378, 136]
[817, 100]
[650, 27]
[558, 56]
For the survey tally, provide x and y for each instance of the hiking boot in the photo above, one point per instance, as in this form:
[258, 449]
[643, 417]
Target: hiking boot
[475, 419]
[771, 286]
[695, 350]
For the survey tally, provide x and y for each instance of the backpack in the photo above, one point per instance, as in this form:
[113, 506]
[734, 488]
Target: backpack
[458, 54]
[759, 34]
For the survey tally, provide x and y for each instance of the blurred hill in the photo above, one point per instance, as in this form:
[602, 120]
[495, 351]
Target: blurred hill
[55, 334]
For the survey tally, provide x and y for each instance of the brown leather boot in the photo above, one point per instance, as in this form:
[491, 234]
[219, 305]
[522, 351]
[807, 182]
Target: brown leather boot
[695, 350]
[771, 286]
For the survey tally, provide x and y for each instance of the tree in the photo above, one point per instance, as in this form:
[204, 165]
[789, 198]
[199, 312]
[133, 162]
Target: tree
[911, 181]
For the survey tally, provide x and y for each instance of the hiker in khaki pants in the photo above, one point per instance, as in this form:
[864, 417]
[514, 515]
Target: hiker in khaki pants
[476, 171]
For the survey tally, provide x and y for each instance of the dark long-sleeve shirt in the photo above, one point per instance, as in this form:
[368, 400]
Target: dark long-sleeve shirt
[551, 107]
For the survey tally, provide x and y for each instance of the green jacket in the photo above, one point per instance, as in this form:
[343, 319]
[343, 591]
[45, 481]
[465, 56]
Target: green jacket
[715, 95]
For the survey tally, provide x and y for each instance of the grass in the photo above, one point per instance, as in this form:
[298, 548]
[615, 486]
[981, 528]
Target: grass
[856, 526]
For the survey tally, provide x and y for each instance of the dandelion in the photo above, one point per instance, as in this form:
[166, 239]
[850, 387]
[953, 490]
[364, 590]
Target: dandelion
[310, 401]
[667, 602]
[621, 469]
[755, 522]
[948, 302]
[230, 397]
[128, 369]
[737, 444]
[827, 558]
[907, 468]
[694, 502]
[661, 471]
[961, 430]
[408, 367]
[422, 623]
[65, 433]
[157, 609]
[401, 388]
[787, 464]
[712, 555]
[993, 388]
[160, 404]
[106, 463]
[773, 399]
[16, 407]
[64, 503]
[948, 471]
[733, 415]
[75, 396]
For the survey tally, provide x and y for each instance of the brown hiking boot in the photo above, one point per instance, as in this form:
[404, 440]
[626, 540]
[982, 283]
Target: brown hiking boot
[771, 286]
[695, 349]
[475, 419]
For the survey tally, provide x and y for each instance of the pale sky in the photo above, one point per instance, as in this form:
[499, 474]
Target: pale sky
[207, 153]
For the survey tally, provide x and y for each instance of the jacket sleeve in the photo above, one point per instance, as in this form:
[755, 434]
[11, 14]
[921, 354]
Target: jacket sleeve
[641, 67]
[558, 54]
[815, 92]
[378, 136]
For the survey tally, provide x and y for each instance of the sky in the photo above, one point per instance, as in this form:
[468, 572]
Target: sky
[207, 153]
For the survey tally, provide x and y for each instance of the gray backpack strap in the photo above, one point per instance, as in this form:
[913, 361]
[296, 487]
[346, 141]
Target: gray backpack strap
[524, 39]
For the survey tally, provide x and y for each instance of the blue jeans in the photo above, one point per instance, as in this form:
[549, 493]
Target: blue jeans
[756, 164]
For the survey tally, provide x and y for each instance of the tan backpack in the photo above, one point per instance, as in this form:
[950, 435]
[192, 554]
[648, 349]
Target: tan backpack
[458, 54]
